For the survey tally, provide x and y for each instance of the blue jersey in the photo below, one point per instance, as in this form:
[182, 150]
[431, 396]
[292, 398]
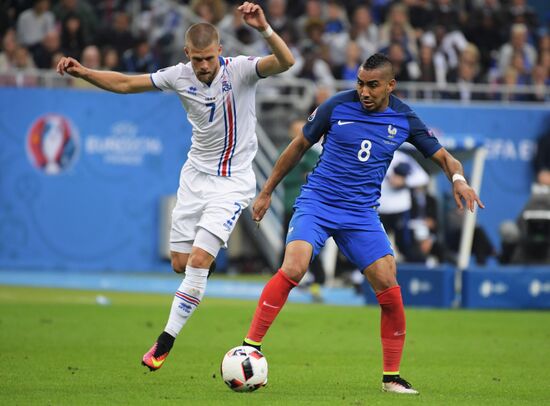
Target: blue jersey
[358, 147]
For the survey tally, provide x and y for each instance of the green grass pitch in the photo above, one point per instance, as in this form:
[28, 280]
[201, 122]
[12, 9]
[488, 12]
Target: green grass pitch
[58, 347]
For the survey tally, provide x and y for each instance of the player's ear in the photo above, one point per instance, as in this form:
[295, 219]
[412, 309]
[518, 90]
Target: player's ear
[391, 85]
[186, 50]
[220, 50]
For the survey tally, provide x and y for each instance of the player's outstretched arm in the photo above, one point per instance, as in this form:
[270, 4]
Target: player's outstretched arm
[282, 58]
[461, 190]
[289, 159]
[107, 80]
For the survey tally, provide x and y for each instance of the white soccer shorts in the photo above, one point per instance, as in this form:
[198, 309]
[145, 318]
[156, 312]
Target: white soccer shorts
[214, 203]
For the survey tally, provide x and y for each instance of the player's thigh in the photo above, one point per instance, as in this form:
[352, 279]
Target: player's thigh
[188, 210]
[225, 201]
[363, 247]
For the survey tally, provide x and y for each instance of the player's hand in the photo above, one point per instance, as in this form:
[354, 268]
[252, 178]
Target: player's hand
[71, 66]
[462, 191]
[260, 206]
[253, 15]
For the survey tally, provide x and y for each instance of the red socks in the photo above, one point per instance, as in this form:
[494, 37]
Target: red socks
[392, 328]
[271, 301]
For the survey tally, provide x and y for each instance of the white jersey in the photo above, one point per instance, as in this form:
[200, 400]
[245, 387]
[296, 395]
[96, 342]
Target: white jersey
[223, 115]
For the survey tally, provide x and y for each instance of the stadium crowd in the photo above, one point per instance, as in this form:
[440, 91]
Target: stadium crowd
[440, 41]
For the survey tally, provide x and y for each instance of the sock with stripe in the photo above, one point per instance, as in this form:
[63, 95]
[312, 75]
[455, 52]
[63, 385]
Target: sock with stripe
[186, 299]
[271, 302]
[392, 328]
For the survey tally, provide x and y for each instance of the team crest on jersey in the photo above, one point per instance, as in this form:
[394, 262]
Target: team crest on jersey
[192, 90]
[312, 115]
[392, 131]
[226, 86]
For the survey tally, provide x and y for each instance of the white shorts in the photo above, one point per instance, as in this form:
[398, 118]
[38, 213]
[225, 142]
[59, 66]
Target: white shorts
[214, 203]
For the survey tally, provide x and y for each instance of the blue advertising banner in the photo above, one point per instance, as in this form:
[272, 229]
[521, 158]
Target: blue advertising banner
[81, 176]
[421, 286]
[517, 287]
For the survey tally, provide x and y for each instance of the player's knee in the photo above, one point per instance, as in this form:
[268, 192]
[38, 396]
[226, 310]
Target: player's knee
[200, 260]
[294, 271]
[179, 263]
[382, 274]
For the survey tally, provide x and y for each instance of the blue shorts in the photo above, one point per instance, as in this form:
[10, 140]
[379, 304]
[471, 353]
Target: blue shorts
[359, 235]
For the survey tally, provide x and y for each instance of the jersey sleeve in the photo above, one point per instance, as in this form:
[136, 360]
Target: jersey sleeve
[165, 79]
[246, 66]
[421, 137]
[318, 122]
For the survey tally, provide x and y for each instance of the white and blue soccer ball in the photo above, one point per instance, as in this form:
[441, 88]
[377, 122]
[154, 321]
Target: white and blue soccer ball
[244, 369]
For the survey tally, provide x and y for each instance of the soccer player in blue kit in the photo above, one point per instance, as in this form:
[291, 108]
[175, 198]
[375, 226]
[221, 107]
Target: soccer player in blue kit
[362, 128]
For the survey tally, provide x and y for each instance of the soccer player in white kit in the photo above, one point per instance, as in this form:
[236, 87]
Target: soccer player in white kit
[217, 181]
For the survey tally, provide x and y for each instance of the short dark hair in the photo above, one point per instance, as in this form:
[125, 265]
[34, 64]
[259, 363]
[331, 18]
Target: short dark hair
[202, 35]
[378, 61]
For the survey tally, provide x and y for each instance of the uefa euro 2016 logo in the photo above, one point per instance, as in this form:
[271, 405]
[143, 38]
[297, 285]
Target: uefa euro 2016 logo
[52, 144]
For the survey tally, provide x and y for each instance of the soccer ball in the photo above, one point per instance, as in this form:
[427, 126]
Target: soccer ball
[244, 369]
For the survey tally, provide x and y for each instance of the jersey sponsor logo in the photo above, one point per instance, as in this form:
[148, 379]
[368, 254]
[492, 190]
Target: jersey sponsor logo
[340, 122]
[52, 144]
[192, 90]
[312, 115]
[392, 131]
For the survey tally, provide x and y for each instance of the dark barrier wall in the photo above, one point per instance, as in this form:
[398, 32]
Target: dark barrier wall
[81, 175]
[82, 172]
[510, 133]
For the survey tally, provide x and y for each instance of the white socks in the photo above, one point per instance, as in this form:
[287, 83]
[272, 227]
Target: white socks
[187, 298]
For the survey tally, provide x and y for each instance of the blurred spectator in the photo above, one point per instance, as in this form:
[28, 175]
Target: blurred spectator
[276, 15]
[421, 15]
[72, 36]
[91, 58]
[467, 74]
[398, 29]
[110, 59]
[313, 12]
[520, 12]
[140, 58]
[348, 71]
[43, 52]
[117, 34]
[315, 40]
[424, 226]
[34, 23]
[403, 174]
[518, 43]
[315, 69]
[336, 20]
[210, 11]
[364, 31]
[447, 14]
[485, 31]
[23, 60]
[447, 44]
[9, 48]
[404, 70]
[482, 247]
[85, 14]
[165, 24]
